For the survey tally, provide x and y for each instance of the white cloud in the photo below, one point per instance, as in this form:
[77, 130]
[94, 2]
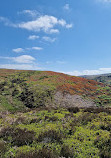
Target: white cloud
[21, 66]
[43, 23]
[24, 62]
[21, 50]
[33, 37]
[90, 72]
[36, 48]
[7, 22]
[49, 39]
[66, 7]
[53, 31]
[62, 22]
[18, 50]
[32, 13]
[68, 26]
[26, 59]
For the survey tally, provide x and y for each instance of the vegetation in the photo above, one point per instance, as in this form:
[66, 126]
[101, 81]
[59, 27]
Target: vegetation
[22, 90]
[82, 134]
[31, 126]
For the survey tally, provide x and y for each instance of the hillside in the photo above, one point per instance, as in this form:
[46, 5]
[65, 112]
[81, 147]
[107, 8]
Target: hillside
[104, 78]
[32, 89]
[46, 114]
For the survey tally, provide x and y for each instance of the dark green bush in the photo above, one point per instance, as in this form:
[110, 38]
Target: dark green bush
[73, 109]
[87, 117]
[53, 118]
[104, 147]
[50, 136]
[46, 153]
[43, 153]
[20, 120]
[3, 147]
[27, 98]
[22, 137]
[66, 152]
[6, 132]
[98, 110]
[19, 137]
[35, 120]
[29, 154]
[43, 77]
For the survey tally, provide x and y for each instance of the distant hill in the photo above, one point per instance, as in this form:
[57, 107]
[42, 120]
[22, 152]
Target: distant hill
[20, 90]
[104, 78]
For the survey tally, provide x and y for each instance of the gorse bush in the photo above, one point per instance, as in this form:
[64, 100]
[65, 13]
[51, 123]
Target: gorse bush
[37, 97]
[17, 136]
[27, 98]
[50, 136]
[55, 133]
[45, 152]
[104, 146]
[67, 152]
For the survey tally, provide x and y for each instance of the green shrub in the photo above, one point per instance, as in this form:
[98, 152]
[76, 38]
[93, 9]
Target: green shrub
[18, 137]
[43, 153]
[67, 152]
[104, 146]
[73, 109]
[3, 147]
[50, 136]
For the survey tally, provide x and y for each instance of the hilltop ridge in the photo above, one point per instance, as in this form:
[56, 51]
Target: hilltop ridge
[103, 78]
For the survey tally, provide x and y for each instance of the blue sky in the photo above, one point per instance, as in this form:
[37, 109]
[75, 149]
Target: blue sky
[67, 36]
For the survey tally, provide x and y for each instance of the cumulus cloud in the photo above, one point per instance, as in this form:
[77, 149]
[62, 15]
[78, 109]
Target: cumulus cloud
[33, 37]
[23, 62]
[43, 23]
[21, 50]
[49, 39]
[21, 66]
[53, 31]
[90, 72]
[32, 13]
[36, 48]
[20, 59]
[23, 59]
[68, 26]
[18, 50]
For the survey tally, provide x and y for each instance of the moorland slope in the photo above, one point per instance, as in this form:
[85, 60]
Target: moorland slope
[31, 89]
[46, 114]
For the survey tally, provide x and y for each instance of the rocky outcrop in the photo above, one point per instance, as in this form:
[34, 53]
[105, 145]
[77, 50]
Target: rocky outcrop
[67, 100]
